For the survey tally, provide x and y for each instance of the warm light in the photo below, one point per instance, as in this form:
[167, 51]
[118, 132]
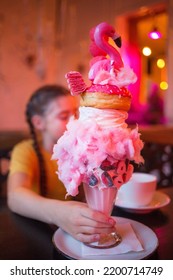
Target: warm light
[155, 34]
[164, 85]
[160, 63]
[146, 51]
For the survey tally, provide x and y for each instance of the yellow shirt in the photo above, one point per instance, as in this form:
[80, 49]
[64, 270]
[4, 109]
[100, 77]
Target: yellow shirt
[24, 159]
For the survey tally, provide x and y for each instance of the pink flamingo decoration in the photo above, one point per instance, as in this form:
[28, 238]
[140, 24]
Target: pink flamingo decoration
[102, 32]
[99, 48]
[93, 48]
[97, 53]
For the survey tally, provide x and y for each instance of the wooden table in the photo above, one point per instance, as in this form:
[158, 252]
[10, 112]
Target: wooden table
[24, 238]
[158, 134]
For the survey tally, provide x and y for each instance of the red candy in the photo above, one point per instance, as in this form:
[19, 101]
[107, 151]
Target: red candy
[106, 165]
[106, 179]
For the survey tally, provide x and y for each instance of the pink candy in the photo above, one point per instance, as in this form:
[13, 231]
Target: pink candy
[114, 175]
[75, 82]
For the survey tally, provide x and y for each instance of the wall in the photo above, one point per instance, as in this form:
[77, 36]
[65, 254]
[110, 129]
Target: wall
[41, 40]
[21, 71]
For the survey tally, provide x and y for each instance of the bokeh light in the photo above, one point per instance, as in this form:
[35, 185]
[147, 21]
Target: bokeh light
[160, 63]
[146, 51]
[164, 85]
[155, 34]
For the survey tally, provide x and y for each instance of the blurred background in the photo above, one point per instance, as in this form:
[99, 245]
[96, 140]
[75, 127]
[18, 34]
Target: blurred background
[41, 40]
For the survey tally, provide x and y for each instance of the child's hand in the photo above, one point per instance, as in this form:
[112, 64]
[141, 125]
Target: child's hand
[81, 222]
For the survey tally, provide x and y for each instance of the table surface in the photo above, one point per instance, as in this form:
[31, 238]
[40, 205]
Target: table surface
[24, 238]
[157, 134]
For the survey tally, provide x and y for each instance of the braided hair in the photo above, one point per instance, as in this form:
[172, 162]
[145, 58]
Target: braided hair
[37, 105]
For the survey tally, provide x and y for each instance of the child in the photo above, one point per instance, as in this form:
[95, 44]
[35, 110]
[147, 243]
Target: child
[33, 187]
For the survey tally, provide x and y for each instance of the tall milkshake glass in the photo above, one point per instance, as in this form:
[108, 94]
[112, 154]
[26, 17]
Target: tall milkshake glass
[102, 199]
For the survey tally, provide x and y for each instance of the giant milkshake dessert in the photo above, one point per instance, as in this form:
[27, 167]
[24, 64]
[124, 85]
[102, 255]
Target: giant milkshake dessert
[97, 148]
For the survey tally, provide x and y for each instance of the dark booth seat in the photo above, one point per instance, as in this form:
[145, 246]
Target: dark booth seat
[158, 153]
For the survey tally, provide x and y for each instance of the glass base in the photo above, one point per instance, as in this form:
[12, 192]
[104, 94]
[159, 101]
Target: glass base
[107, 241]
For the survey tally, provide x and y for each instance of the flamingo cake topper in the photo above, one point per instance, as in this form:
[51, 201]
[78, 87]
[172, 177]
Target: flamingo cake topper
[106, 66]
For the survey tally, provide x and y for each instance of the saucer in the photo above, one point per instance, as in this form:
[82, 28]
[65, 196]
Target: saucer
[159, 200]
[72, 248]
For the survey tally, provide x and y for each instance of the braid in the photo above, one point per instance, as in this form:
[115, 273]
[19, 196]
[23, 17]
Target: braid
[40, 158]
[37, 105]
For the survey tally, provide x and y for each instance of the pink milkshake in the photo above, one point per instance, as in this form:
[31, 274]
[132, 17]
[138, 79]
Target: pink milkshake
[96, 150]
[100, 199]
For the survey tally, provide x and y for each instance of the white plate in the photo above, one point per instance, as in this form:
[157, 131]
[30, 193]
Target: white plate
[159, 200]
[71, 247]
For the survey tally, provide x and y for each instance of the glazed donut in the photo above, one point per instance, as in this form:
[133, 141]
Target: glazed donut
[105, 101]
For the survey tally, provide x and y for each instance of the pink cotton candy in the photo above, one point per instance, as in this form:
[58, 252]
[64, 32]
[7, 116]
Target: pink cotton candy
[85, 145]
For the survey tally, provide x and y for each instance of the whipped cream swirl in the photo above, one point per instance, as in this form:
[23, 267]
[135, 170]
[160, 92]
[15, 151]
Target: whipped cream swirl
[106, 118]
